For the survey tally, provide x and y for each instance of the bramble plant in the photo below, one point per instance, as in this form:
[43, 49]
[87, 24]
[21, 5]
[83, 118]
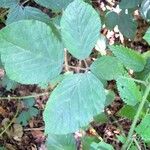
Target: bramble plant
[34, 50]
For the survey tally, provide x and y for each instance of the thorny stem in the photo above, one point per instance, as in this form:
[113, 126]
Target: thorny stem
[138, 81]
[11, 122]
[146, 93]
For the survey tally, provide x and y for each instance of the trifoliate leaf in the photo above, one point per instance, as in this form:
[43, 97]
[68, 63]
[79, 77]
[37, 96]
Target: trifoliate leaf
[79, 33]
[107, 67]
[73, 104]
[30, 52]
[58, 5]
[61, 142]
[129, 58]
[128, 91]
[143, 129]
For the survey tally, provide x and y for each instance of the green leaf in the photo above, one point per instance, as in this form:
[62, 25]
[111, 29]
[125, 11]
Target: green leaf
[127, 25]
[127, 112]
[145, 74]
[29, 102]
[110, 97]
[125, 4]
[147, 36]
[8, 3]
[79, 33]
[107, 67]
[128, 91]
[28, 54]
[73, 104]
[61, 142]
[128, 57]
[143, 129]
[23, 13]
[121, 138]
[25, 116]
[53, 4]
[101, 146]
[111, 19]
[87, 141]
[145, 9]
[8, 84]
[101, 118]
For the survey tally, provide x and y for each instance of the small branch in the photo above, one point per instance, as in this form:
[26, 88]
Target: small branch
[34, 129]
[11, 122]
[80, 68]
[25, 2]
[119, 126]
[24, 97]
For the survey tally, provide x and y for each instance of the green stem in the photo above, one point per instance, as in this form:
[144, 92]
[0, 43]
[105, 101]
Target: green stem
[146, 93]
[23, 97]
[137, 144]
[138, 81]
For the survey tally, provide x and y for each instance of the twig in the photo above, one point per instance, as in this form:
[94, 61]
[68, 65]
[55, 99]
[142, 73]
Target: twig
[24, 97]
[80, 68]
[11, 122]
[34, 129]
[119, 126]
[25, 2]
